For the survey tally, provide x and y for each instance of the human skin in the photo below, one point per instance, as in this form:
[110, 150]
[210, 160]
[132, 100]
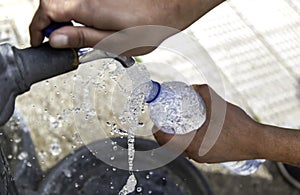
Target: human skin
[102, 18]
[241, 137]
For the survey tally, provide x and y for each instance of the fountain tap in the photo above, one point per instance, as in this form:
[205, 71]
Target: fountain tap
[21, 68]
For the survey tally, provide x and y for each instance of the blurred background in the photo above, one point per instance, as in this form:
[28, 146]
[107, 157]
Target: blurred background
[255, 46]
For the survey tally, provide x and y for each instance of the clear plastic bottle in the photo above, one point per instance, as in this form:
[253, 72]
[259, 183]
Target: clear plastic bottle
[245, 167]
[176, 108]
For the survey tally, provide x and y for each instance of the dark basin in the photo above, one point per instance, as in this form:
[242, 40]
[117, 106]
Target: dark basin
[83, 173]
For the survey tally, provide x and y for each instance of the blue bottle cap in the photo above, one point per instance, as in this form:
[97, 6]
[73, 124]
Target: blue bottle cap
[154, 92]
[54, 26]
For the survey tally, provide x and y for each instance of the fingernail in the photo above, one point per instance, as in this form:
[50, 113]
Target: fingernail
[59, 41]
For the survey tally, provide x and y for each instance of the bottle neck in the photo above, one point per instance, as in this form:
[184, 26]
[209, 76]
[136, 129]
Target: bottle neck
[154, 92]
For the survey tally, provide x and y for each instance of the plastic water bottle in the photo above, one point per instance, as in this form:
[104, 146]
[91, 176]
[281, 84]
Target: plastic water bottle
[245, 167]
[177, 108]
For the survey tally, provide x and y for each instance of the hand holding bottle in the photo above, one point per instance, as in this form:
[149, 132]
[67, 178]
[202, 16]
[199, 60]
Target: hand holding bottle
[241, 137]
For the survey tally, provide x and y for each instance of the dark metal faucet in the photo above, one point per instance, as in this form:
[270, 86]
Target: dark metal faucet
[20, 68]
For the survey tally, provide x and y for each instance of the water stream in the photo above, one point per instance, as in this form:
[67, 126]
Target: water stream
[134, 107]
[132, 86]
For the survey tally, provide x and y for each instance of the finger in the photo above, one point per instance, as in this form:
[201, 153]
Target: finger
[38, 24]
[47, 12]
[204, 91]
[208, 94]
[175, 141]
[161, 137]
[77, 37]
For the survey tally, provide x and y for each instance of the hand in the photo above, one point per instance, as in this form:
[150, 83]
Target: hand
[237, 139]
[102, 18]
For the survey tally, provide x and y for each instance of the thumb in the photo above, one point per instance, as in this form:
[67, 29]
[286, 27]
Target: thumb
[76, 37]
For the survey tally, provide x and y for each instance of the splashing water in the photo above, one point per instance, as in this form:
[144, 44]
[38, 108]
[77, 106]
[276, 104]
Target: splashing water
[135, 106]
[55, 149]
[130, 185]
[133, 84]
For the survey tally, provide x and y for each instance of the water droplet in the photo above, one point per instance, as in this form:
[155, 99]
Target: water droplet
[18, 140]
[108, 123]
[141, 124]
[139, 189]
[114, 169]
[77, 110]
[81, 177]
[112, 187]
[91, 112]
[23, 155]
[29, 164]
[55, 149]
[60, 118]
[149, 192]
[147, 176]
[54, 123]
[129, 186]
[152, 153]
[121, 132]
[122, 120]
[42, 154]
[112, 158]
[76, 185]
[115, 148]
[9, 156]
